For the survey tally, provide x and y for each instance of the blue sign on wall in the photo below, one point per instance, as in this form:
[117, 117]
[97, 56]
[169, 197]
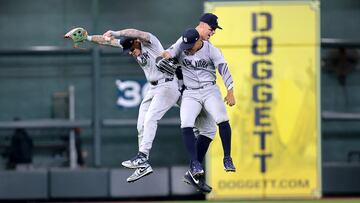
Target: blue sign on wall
[131, 92]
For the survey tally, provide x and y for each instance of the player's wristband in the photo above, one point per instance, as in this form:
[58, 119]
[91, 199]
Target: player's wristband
[230, 86]
[88, 38]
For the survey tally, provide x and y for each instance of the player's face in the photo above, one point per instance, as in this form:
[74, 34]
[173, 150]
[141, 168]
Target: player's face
[195, 48]
[207, 32]
[135, 49]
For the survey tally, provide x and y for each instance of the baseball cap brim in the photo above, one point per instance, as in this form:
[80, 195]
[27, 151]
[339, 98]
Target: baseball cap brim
[218, 27]
[214, 27]
[185, 46]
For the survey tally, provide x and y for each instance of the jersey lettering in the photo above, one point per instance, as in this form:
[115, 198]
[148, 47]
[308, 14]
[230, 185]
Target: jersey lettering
[187, 62]
[201, 63]
[143, 59]
[197, 64]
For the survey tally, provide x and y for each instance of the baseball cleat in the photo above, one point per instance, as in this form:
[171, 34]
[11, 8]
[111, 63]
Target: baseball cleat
[139, 173]
[228, 164]
[196, 169]
[140, 160]
[198, 183]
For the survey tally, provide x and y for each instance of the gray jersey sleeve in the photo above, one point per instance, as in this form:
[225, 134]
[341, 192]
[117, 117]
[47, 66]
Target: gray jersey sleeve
[219, 62]
[154, 44]
[174, 49]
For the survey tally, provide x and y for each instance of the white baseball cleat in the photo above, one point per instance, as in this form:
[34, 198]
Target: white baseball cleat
[139, 173]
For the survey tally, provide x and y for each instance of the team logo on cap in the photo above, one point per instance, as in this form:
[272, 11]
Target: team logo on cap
[185, 39]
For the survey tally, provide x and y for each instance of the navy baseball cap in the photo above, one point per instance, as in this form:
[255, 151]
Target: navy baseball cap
[189, 37]
[126, 42]
[211, 20]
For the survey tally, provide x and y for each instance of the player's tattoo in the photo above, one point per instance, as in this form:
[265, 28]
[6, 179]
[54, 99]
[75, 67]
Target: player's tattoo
[99, 39]
[134, 33]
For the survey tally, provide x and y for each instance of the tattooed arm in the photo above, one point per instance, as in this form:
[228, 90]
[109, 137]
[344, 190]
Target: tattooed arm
[134, 33]
[99, 39]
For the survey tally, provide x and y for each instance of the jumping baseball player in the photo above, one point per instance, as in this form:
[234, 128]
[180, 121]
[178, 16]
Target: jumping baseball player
[206, 28]
[204, 122]
[161, 96]
[200, 60]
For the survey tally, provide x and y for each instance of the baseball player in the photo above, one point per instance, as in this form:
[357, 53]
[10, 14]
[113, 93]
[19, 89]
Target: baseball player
[161, 96]
[206, 28]
[204, 122]
[200, 60]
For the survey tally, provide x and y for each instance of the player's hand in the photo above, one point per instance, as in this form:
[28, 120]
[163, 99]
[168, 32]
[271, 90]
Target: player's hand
[166, 55]
[230, 99]
[109, 35]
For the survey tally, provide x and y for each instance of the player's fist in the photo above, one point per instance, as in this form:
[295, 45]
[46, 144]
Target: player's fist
[230, 99]
[109, 34]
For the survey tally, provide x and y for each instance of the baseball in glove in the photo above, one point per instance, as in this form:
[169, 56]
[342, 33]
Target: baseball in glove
[78, 35]
[167, 66]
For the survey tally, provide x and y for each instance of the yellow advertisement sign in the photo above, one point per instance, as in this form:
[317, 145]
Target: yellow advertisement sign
[272, 49]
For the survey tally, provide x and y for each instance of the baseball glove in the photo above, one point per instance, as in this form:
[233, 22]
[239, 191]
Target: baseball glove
[78, 35]
[167, 66]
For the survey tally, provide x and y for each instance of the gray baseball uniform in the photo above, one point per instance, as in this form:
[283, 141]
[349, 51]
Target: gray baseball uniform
[204, 124]
[199, 77]
[161, 96]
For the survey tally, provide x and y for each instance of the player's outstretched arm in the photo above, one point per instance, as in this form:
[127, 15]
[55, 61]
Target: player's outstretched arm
[134, 33]
[80, 35]
[173, 51]
[100, 39]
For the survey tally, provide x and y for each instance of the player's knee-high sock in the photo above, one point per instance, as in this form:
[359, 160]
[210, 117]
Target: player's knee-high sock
[189, 140]
[202, 145]
[225, 135]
